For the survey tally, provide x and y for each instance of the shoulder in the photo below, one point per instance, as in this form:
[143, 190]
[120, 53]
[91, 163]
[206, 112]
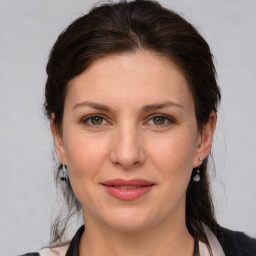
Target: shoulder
[31, 254]
[61, 251]
[236, 243]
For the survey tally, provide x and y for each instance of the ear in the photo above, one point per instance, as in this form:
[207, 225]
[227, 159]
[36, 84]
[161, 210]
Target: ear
[205, 140]
[58, 141]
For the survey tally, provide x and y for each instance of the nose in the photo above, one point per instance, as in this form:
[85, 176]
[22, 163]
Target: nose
[127, 149]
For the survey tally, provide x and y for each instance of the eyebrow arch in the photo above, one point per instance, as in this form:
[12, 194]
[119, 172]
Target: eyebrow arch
[145, 108]
[92, 105]
[148, 108]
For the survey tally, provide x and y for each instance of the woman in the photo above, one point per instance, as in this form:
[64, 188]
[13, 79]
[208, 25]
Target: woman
[132, 99]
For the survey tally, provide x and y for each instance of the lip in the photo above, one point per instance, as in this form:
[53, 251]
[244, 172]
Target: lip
[121, 182]
[141, 187]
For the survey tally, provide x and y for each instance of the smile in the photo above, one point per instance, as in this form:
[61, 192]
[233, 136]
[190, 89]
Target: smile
[127, 190]
[127, 187]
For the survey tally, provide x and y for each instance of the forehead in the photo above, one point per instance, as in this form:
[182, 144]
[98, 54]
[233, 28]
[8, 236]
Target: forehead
[140, 76]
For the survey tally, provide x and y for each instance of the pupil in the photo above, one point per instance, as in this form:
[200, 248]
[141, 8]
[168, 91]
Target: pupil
[97, 120]
[159, 120]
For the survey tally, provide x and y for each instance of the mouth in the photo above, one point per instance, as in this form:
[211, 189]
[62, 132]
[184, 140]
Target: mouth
[127, 187]
[127, 190]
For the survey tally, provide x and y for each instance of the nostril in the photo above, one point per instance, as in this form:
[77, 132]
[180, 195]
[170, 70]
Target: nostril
[126, 148]
[128, 162]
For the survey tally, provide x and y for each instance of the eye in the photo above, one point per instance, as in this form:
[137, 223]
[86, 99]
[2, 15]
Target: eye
[160, 120]
[94, 120]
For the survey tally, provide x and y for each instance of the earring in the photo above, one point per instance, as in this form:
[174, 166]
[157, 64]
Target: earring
[63, 173]
[196, 178]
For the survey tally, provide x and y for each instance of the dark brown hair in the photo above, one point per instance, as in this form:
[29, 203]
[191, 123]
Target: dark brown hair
[128, 27]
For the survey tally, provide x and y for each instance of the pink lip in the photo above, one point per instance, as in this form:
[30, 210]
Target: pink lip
[127, 194]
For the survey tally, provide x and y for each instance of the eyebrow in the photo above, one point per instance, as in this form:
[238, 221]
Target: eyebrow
[92, 105]
[148, 108]
[145, 108]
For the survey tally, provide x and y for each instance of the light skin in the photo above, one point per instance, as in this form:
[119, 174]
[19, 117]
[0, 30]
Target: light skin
[144, 128]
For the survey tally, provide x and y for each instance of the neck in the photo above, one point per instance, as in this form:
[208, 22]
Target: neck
[160, 240]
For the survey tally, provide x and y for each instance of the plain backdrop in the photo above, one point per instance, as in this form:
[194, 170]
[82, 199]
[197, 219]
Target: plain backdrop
[28, 28]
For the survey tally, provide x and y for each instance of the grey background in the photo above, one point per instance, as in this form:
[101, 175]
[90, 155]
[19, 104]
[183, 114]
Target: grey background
[28, 28]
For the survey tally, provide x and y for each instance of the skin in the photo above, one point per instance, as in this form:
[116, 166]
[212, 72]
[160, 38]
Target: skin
[128, 142]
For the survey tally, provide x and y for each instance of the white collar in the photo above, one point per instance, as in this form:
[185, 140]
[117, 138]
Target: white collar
[214, 244]
[60, 251]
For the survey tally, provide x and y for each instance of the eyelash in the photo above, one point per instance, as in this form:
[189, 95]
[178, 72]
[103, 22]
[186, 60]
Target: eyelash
[167, 118]
[90, 117]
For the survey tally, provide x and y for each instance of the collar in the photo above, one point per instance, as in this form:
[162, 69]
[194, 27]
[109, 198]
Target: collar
[73, 249]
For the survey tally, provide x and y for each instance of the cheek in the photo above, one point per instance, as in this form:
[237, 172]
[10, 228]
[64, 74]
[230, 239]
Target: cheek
[174, 152]
[173, 158]
[85, 155]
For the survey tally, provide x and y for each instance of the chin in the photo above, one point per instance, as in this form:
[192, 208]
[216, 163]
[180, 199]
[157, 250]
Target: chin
[129, 220]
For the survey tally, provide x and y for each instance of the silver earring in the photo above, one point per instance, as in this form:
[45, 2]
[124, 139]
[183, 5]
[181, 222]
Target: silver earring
[196, 178]
[63, 173]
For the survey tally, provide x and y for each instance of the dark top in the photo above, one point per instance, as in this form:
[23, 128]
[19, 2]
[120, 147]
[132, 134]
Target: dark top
[233, 244]
[236, 243]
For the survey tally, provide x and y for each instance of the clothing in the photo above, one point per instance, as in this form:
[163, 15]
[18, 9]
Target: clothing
[214, 243]
[233, 244]
[236, 243]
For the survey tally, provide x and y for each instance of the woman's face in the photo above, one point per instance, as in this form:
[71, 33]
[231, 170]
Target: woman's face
[130, 141]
